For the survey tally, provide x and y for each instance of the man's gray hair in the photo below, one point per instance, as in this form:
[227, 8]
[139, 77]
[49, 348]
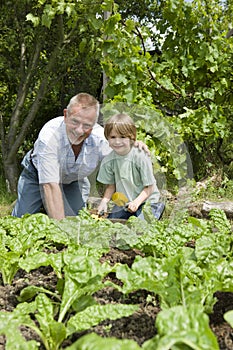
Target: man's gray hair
[86, 101]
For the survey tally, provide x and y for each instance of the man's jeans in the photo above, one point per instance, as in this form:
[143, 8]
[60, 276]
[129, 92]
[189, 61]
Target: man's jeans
[30, 194]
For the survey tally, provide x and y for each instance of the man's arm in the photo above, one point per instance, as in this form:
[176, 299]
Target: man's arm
[53, 201]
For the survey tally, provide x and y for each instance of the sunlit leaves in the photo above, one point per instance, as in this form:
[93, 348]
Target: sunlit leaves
[193, 70]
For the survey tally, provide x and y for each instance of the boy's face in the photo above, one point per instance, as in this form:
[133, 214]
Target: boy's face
[121, 145]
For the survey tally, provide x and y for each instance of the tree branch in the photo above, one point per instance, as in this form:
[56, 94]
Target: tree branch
[40, 94]
[22, 93]
[2, 134]
[138, 33]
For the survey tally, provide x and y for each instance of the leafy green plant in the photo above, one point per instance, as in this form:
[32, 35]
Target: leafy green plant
[93, 341]
[51, 332]
[181, 275]
[213, 246]
[182, 328]
[228, 316]
[184, 278]
[71, 308]
[24, 237]
[177, 280]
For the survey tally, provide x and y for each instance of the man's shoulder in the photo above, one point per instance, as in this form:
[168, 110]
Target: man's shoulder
[97, 138]
[55, 122]
[50, 129]
[98, 131]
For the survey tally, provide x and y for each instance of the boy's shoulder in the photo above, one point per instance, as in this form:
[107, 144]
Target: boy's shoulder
[136, 152]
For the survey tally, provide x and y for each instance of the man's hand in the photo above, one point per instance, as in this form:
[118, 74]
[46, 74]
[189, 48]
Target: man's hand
[142, 146]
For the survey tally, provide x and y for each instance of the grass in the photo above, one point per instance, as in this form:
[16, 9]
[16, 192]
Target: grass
[6, 199]
[214, 188]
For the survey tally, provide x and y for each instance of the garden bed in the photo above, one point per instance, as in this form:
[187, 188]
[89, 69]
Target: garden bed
[140, 326]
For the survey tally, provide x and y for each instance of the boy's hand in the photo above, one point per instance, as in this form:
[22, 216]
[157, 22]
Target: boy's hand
[102, 208]
[132, 207]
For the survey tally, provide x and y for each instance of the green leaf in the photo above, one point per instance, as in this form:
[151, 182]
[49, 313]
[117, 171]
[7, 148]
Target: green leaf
[183, 328]
[93, 342]
[31, 291]
[34, 19]
[53, 332]
[95, 314]
[228, 316]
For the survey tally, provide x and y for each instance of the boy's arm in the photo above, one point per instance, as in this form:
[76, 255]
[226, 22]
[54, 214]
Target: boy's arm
[146, 192]
[110, 189]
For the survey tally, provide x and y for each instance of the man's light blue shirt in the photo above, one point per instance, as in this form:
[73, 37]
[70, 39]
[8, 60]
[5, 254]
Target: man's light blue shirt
[55, 160]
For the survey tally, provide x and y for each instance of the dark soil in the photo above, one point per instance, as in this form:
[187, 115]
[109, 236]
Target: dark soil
[139, 327]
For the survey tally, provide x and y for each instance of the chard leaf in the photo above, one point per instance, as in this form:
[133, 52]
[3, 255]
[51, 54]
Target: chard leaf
[177, 280]
[224, 271]
[52, 332]
[228, 316]
[95, 314]
[9, 265]
[210, 248]
[73, 291]
[83, 264]
[93, 341]
[38, 259]
[84, 230]
[182, 328]
[9, 326]
[155, 275]
[83, 302]
[17, 342]
[29, 292]
[34, 261]
[220, 220]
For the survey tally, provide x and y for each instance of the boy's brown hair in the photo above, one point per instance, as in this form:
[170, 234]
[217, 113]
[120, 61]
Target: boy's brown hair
[123, 125]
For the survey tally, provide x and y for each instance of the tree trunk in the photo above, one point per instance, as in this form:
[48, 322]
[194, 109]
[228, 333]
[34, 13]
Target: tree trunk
[11, 171]
[226, 206]
[11, 142]
[202, 209]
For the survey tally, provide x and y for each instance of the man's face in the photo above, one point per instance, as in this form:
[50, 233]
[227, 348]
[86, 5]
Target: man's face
[79, 123]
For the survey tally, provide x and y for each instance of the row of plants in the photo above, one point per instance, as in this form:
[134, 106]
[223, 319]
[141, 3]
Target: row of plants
[183, 264]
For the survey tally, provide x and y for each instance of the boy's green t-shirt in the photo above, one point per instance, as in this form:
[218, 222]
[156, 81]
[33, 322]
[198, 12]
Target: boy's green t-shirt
[130, 173]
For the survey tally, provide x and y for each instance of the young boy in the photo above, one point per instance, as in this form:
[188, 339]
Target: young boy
[127, 170]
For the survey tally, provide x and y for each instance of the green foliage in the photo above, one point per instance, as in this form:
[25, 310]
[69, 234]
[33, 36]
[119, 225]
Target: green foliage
[182, 328]
[21, 238]
[215, 189]
[181, 275]
[184, 278]
[228, 316]
[93, 341]
[48, 51]
[187, 76]
[81, 275]
[5, 196]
